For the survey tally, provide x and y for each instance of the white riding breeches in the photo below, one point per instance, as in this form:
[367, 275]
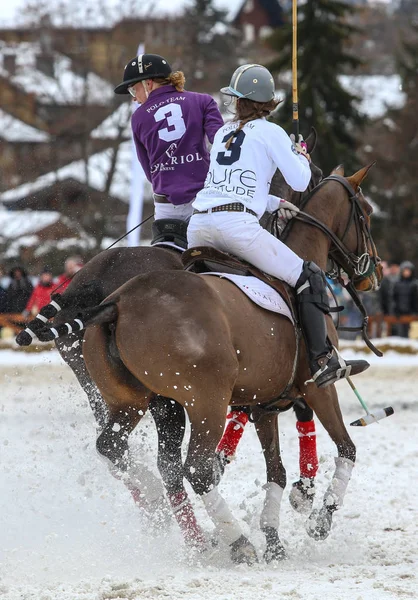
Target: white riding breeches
[241, 234]
[172, 211]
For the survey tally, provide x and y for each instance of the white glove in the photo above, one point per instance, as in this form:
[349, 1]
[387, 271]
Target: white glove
[287, 211]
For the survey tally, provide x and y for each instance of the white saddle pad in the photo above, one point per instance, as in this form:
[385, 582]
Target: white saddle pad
[259, 292]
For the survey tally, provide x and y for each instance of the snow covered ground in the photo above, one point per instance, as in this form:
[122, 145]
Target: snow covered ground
[69, 531]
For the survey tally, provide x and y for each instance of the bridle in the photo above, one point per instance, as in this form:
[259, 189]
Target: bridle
[360, 265]
[357, 265]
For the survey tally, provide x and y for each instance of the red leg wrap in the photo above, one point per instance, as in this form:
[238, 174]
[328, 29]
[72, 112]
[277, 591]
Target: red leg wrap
[139, 498]
[184, 513]
[308, 458]
[233, 432]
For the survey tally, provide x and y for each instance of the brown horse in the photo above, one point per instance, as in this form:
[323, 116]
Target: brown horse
[100, 277]
[199, 340]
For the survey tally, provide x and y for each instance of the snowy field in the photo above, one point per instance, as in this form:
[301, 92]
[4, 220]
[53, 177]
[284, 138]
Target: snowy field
[69, 531]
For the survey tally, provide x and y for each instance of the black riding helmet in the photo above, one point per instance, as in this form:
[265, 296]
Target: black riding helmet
[144, 66]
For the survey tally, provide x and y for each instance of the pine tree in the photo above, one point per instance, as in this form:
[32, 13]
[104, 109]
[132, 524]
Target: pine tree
[395, 177]
[323, 35]
[207, 43]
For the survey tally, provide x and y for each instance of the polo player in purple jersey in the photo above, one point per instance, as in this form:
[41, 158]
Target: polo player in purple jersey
[170, 129]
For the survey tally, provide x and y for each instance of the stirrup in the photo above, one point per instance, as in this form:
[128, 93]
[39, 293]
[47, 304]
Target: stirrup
[327, 375]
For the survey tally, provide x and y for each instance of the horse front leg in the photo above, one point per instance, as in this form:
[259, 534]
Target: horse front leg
[302, 494]
[170, 421]
[268, 433]
[326, 407]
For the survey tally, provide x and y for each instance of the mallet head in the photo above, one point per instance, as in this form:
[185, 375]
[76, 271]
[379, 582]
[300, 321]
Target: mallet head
[378, 415]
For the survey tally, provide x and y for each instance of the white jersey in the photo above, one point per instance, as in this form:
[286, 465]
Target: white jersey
[244, 172]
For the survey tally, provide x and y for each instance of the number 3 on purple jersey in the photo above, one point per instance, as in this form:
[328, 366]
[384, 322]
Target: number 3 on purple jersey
[176, 126]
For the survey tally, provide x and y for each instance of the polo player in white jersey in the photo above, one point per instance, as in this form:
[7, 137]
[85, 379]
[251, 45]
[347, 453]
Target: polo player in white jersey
[244, 156]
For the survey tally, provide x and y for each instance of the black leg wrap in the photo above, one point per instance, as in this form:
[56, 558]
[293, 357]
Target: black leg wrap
[303, 412]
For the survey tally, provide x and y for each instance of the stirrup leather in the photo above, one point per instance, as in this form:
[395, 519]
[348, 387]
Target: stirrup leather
[342, 372]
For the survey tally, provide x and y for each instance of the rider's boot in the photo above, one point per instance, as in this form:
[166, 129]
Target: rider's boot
[325, 362]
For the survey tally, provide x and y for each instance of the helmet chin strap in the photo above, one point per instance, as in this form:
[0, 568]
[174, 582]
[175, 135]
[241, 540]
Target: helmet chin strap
[144, 85]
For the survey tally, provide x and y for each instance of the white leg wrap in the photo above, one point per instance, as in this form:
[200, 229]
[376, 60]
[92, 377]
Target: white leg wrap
[270, 515]
[334, 496]
[226, 525]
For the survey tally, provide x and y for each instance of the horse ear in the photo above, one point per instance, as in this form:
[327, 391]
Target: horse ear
[358, 177]
[311, 140]
[338, 170]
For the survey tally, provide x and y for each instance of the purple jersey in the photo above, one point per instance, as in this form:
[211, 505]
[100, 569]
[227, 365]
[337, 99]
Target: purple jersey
[169, 132]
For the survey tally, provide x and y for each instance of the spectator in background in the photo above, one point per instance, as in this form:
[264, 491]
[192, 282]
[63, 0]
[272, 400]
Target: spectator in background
[390, 276]
[3, 307]
[41, 294]
[405, 295]
[3, 300]
[71, 266]
[18, 291]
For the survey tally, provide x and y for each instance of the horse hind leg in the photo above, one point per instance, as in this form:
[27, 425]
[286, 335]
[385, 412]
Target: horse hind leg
[113, 448]
[170, 421]
[302, 494]
[328, 411]
[70, 348]
[127, 400]
[206, 431]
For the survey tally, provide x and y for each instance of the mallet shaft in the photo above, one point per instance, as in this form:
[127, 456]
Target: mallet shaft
[360, 399]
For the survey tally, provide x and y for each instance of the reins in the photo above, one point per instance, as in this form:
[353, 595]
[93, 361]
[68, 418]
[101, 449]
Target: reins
[340, 254]
[108, 248]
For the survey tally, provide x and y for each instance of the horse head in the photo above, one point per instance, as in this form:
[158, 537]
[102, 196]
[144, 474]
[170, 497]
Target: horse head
[368, 272]
[361, 263]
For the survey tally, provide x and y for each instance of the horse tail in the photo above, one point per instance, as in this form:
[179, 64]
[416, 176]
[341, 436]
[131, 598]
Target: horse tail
[88, 294]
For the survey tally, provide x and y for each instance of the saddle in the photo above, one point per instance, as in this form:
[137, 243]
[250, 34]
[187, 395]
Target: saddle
[171, 233]
[204, 259]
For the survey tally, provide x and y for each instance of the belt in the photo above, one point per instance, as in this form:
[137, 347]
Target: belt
[234, 207]
[160, 199]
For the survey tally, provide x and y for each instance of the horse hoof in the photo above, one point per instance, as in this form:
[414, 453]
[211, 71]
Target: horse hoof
[302, 495]
[242, 551]
[274, 548]
[319, 524]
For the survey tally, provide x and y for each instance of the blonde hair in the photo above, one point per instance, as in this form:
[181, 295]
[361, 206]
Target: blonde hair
[248, 110]
[176, 78]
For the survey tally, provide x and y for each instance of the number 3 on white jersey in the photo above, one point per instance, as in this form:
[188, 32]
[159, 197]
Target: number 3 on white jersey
[176, 125]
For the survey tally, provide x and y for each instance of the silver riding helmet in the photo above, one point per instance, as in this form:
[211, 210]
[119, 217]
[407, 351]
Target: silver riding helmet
[254, 82]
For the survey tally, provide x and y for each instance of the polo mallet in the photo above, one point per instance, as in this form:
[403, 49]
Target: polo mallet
[369, 417]
[295, 102]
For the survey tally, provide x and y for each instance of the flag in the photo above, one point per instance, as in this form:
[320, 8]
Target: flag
[136, 200]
